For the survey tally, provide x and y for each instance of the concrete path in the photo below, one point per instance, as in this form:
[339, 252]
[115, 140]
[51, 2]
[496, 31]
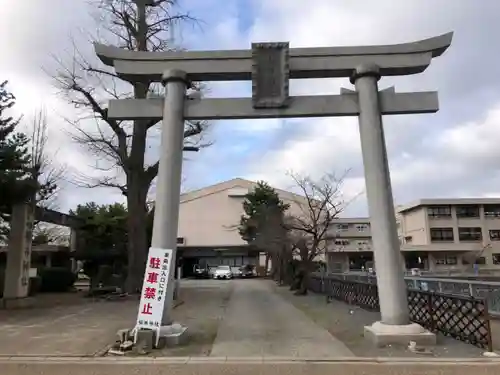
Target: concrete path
[258, 322]
[153, 366]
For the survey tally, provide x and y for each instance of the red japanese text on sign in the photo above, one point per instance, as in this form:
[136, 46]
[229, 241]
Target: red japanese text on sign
[147, 309]
[152, 277]
[154, 263]
[150, 293]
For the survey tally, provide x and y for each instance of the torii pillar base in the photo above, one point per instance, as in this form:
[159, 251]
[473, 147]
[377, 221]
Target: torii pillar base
[381, 334]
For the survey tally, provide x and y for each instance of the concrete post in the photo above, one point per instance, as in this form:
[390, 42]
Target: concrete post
[73, 247]
[73, 238]
[18, 253]
[168, 184]
[391, 286]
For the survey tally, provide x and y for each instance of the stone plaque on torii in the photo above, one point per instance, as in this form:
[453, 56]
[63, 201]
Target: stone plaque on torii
[270, 66]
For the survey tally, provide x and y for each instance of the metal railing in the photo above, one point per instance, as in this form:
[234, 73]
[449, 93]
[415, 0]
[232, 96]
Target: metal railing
[461, 317]
[489, 290]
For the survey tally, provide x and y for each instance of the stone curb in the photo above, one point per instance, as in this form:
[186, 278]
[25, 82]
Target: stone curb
[254, 360]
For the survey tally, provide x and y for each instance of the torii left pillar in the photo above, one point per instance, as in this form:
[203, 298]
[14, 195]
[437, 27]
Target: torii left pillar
[16, 287]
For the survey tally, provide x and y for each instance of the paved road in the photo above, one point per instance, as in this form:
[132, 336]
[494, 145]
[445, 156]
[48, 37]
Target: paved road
[249, 368]
[258, 322]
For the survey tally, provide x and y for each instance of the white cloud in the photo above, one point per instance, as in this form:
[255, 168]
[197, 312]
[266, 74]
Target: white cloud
[327, 140]
[473, 142]
[429, 155]
[440, 157]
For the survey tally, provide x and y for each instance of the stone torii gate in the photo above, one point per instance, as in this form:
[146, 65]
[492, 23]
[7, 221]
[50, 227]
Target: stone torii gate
[270, 66]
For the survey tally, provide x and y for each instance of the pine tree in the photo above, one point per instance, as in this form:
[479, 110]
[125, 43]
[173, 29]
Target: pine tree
[262, 225]
[16, 184]
[259, 206]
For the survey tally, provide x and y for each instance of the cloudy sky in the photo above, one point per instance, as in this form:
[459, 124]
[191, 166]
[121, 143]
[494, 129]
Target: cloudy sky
[448, 154]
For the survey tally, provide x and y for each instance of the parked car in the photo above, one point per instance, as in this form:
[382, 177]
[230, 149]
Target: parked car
[211, 271]
[248, 271]
[236, 271]
[223, 272]
[201, 272]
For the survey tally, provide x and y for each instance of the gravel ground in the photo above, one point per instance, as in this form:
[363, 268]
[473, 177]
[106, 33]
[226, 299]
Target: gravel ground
[67, 324]
[63, 325]
[346, 323]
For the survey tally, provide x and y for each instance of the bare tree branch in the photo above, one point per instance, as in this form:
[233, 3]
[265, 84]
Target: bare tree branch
[44, 170]
[137, 26]
[322, 202]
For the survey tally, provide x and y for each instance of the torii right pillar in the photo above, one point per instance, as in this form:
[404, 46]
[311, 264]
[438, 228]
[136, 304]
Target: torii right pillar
[395, 326]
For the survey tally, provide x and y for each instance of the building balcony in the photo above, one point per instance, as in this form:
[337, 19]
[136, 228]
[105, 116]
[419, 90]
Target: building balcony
[443, 246]
[350, 247]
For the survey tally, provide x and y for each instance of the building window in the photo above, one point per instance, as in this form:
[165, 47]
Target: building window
[496, 258]
[439, 212]
[495, 234]
[362, 227]
[467, 211]
[342, 227]
[363, 245]
[491, 210]
[469, 234]
[341, 242]
[450, 260]
[442, 234]
[480, 260]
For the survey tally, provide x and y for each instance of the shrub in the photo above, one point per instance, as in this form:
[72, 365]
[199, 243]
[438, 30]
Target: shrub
[56, 279]
[34, 285]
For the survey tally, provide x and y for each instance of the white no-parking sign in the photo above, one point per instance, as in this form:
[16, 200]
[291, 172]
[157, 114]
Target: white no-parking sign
[154, 289]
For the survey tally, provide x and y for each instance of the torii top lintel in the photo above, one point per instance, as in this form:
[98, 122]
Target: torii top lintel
[236, 65]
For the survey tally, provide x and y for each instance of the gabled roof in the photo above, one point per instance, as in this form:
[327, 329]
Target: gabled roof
[230, 184]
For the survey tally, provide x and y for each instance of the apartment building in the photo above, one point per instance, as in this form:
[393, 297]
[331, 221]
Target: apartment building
[349, 245]
[435, 235]
[439, 234]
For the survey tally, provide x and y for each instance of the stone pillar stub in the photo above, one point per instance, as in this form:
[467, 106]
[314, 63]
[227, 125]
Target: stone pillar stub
[73, 240]
[19, 252]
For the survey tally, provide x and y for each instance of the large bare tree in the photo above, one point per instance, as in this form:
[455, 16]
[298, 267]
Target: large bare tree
[312, 218]
[44, 168]
[47, 173]
[120, 146]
